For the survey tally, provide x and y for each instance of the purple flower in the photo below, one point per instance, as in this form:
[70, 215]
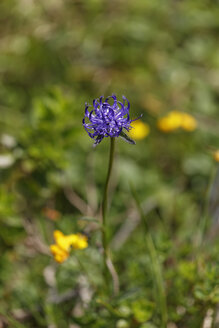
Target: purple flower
[107, 118]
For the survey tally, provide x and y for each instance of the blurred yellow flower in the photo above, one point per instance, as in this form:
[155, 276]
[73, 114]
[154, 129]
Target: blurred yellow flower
[59, 254]
[170, 122]
[188, 122]
[79, 242]
[175, 120]
[216, 155]
[139, 130]
[64, 243]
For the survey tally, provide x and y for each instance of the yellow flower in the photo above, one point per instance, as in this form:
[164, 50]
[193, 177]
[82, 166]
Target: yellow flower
[64, 243]
[216, 155]
[59, 254]
[175, 120]
[188, 122]
[139, 130]
[80, 242]
[170, 122]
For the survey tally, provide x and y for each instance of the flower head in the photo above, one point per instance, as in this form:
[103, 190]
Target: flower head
[188, 122]
[64, 243]
[107, 118]
[170, 122]
[140, 130]
[216, 155]
[59, 254]
[175, 120]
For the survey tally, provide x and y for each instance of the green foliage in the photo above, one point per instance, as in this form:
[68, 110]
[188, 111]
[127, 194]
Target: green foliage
[54, 57]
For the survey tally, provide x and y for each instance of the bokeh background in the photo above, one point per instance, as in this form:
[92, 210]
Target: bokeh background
[55, 55]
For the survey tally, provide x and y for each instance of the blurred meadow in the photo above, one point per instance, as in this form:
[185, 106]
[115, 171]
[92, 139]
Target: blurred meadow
[163, 213]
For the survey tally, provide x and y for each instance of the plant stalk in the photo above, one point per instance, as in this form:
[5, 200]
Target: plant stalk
[106, 255]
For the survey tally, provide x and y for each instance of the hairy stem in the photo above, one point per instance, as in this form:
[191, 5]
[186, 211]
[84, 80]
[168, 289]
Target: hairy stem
[106, 256]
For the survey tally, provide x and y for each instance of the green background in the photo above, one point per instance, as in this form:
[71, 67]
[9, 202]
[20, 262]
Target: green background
[55, 56]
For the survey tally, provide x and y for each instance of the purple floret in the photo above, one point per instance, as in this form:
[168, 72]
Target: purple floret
[105, 119]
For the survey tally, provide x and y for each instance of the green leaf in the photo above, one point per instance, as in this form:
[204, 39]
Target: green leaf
[125, 137]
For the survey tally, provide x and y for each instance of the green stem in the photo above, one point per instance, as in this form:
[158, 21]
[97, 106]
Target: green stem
[156, 267]
[104, 210]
